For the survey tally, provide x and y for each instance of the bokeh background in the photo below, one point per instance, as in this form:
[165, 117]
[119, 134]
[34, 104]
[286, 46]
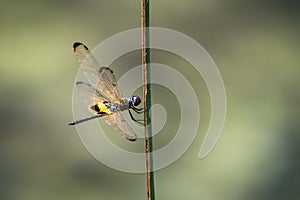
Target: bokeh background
[256, 47]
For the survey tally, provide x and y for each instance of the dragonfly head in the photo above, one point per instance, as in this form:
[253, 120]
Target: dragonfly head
[135, 100]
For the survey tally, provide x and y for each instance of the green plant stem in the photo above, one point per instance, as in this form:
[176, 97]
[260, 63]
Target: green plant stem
[147, 100]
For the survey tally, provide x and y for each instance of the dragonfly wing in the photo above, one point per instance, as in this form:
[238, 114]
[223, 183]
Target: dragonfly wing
[101, 78]
[90, 95]
[107, 83]
[121, 125]
[87, 63]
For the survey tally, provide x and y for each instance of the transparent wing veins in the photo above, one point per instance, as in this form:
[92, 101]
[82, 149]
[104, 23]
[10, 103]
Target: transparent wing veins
[101, 78]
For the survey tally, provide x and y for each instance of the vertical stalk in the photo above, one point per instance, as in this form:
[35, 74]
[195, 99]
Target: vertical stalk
[147, 99]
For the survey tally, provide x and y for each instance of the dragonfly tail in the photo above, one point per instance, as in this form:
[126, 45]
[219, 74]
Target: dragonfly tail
[84, 120]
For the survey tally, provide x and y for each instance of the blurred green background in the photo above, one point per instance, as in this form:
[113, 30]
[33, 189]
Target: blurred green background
[256, 47]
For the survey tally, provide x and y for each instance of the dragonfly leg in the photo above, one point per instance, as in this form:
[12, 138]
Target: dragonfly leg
[136, 120]
[138, 110]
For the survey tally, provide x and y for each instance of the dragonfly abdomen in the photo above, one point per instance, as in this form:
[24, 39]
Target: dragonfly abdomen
[102, 108]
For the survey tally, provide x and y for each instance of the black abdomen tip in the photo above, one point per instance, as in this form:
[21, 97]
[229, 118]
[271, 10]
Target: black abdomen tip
[71, 123]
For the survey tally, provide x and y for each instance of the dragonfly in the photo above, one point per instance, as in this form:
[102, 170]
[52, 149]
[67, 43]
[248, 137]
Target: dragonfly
[102, 95]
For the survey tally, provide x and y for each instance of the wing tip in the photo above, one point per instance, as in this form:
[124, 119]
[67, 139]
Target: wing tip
[79, 82]
[83, 83]
[131, 139]
[77, 44]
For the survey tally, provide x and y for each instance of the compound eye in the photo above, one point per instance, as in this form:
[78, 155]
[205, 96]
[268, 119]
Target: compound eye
[136, 100]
